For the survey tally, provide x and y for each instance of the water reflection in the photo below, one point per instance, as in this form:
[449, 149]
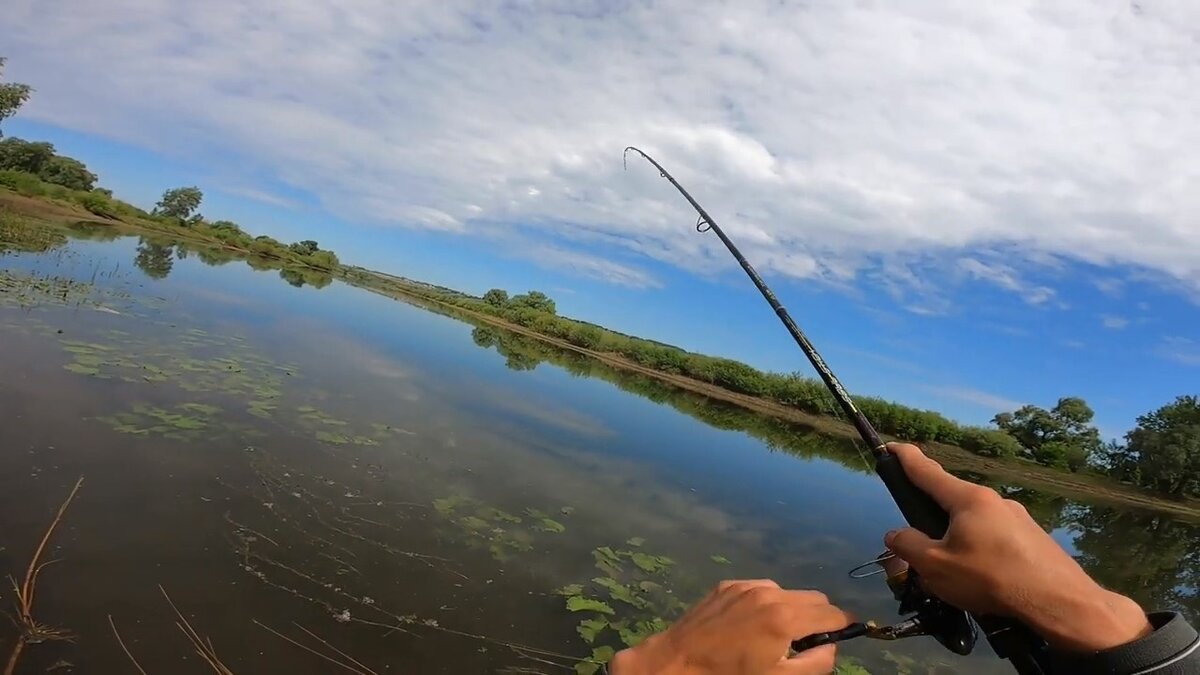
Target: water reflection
[154, 258]
[1152, 557]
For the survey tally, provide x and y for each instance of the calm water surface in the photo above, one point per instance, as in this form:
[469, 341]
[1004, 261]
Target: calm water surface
[293, 459]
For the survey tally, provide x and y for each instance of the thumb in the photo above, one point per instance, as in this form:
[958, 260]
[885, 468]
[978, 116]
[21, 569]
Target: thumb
[910, 544]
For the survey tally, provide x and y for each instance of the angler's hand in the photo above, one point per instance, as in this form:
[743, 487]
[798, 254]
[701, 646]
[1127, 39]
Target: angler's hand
[995, 559]
[740, 628]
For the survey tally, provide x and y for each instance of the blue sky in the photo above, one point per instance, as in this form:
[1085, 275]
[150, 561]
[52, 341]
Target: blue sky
[967, 208]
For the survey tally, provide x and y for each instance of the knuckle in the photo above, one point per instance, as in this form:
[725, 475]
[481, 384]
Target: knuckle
[816, 596]
[1016, 507]
[727, 584]
[984, 496]
[761, 595]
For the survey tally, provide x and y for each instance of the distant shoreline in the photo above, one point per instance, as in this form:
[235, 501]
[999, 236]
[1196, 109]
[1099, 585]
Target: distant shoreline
[1015, 471]
[1019, 472]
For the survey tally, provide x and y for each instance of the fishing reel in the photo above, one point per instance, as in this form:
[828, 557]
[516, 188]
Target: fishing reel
[924, 613]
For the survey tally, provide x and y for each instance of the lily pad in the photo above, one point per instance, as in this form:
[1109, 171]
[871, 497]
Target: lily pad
[578, 603]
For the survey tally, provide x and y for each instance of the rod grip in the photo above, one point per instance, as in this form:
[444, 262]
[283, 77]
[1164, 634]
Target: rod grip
[919, 509]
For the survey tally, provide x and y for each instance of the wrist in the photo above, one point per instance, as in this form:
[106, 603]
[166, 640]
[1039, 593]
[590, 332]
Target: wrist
[653, 656]
[1090, 621]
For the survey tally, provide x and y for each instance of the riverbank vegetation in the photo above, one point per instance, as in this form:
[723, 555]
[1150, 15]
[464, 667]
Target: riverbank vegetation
[35, 170]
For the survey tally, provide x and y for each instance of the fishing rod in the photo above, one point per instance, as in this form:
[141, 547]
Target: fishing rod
[928, 615]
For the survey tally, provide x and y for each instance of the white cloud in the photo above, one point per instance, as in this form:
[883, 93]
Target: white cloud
[1005, 277]
[1180, 350]
[1113, 322]
[1110, 286]
[257, 195]
[830, 138]
[590, 266]
[980, 398]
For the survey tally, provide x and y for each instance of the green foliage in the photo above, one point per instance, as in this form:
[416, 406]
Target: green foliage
[40, 160]
[99, 204]
[630, 601]
[326, 260]
[533, 300]
[12, 95]
[28, 156]
[496, 297]
[1060, 437]
[68, 172]
[850, 666]
[502, 533]
[17, 234]
[588, 337]
[22, 183]
[1163, 451]
[179, 203]
[989, 442]
[186, 422]
[306, 247]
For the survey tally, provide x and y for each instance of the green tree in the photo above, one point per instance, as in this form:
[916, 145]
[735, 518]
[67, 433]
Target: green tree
[21, 155]
[1061, 437]
[306, 247]
[12, 96]
[535, 300]
[497, 297]
[179, 203]
[324, 259]
[989, 442]
[1163, 451]
[67, 172]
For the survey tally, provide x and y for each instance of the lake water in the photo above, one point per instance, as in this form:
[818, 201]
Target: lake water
[297, 462]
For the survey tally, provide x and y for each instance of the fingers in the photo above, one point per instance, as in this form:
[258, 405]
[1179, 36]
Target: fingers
[729, 591]
[744, 585]
[910, 544]
[950, 492]
[802, 598]
[816, 661]
[809, 619]
[793, 614]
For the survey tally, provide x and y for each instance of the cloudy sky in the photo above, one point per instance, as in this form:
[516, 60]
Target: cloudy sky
[969, 205]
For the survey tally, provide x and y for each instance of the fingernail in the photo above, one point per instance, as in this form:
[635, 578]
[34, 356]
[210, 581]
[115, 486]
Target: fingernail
[887, 538]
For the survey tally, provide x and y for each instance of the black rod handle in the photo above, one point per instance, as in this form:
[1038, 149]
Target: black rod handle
[919, 509]
[818, 639]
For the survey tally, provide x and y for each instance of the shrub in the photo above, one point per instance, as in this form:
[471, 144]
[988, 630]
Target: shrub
[23, 183]
[990, 442]
[98, 204]
[584, 336]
